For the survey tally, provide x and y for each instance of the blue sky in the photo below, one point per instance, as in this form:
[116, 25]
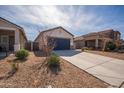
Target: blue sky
[78, 20]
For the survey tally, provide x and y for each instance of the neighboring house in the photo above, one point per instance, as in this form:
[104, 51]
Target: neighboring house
[12, 36]
[62, 38]
[32, 46]
[122, 42]
[122, 45]
[97, 40]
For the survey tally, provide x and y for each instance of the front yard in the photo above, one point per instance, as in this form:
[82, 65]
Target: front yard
[109, 54]
[30, 75]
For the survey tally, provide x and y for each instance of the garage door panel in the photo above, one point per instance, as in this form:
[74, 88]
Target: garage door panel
[62, 44]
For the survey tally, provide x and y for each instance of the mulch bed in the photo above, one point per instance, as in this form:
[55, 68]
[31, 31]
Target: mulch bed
[108, 54]
[29, 75]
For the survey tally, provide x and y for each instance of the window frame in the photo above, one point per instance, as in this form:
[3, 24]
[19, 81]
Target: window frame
[4, 36]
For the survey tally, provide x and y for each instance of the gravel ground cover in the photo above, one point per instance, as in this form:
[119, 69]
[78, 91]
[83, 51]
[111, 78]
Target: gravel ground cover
[109, 54]
[29, 75]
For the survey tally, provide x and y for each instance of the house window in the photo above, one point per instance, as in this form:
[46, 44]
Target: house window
[4, 39]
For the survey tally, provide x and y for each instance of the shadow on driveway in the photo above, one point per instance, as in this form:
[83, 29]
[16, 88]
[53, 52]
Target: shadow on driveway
[67, 52]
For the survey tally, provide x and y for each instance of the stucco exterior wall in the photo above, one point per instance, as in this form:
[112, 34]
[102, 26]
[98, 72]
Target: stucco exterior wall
[40, 41]
[22, 40]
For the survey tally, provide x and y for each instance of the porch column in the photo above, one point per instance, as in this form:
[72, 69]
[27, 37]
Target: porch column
[17, 41]
[96, 43]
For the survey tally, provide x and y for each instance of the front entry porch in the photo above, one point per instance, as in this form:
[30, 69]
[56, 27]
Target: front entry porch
[95, 43]
[9, 40]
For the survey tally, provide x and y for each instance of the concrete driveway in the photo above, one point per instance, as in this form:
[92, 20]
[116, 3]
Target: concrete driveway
[108, 69]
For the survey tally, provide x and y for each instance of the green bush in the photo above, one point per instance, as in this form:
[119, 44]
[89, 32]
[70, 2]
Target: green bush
[53, 60]
[22, 54]
[14, 66]
[110, 46]
[53, 54]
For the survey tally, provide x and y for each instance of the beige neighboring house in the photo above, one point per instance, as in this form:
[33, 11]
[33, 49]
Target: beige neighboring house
[62, 38]
[12, 36]
[122, 42]
[97, 40]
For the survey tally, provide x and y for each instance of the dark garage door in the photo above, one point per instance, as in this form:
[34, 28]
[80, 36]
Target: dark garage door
[61, 44]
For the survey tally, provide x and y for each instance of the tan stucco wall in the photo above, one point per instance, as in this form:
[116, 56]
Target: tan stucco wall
[22, 40]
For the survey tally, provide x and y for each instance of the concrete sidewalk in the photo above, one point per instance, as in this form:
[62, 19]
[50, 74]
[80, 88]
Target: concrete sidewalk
[108, 69]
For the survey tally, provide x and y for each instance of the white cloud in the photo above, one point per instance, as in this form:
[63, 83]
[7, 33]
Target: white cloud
[54, 16]
[51, 15]
[74, 18]
[47, 15]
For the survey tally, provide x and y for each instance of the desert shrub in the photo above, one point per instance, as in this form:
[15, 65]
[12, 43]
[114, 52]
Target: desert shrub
[22, 54]
[54, 54]
[14, 66]
[110, 46]
[53, 60]
[84, 48]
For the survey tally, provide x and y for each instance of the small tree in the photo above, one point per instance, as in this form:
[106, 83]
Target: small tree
[48, 44]
[110, 46]
[104, 40]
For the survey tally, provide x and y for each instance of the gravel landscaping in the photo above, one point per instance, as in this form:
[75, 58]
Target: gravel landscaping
[109, 54]
[32, 73]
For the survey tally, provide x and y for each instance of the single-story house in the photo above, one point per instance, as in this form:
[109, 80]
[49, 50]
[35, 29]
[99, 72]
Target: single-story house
[12, 36]
[62, 38]
[97, 40]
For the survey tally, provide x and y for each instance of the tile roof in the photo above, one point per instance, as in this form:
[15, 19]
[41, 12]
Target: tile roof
[94, 34]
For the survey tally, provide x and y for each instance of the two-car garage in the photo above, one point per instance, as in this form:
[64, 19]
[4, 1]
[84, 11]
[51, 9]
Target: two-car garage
[62, 38]
[62, 44]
